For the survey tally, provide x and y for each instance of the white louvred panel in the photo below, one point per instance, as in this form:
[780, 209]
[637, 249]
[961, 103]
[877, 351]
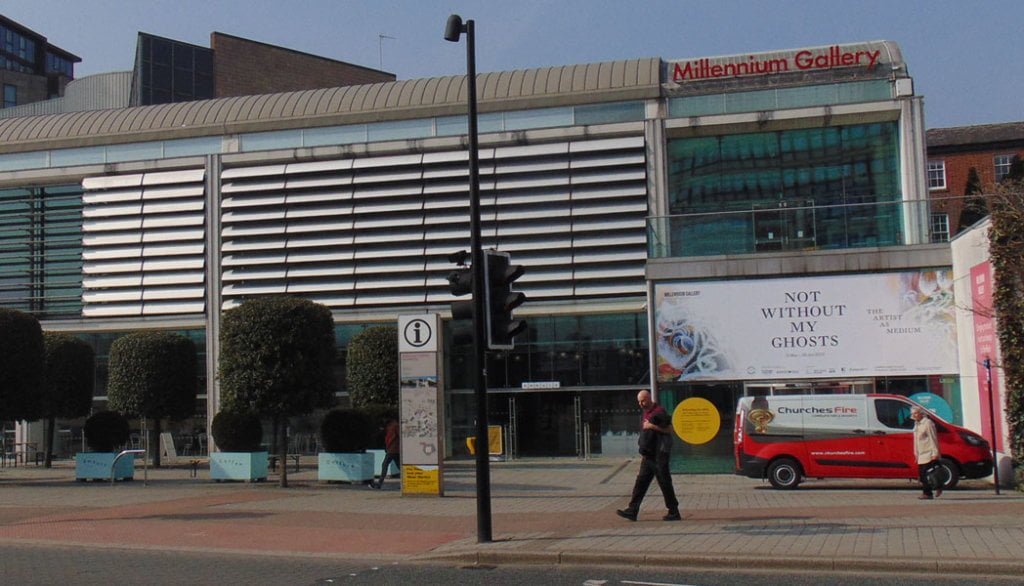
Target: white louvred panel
[174, 235]
[111, 239]
[174, 278]
[271, 273]
[163, 293]
[92, 254]
[231, 202]
[173, 307]
[114, 197]
[111, 225]
[186, 177]
[112, 281]
[113, 210]
[161, 217]
[115, 267]
[377, 230]
[111, 182]
[150, 222]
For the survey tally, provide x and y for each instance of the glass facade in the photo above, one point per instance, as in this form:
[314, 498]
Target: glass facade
[329, 135]
[780, 98]
[815, 188]
[598, 362]
[575, 351]
[170, 71]
[17, 51]
[41, 250]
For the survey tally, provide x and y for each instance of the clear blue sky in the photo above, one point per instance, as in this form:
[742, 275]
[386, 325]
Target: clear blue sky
[965, 56]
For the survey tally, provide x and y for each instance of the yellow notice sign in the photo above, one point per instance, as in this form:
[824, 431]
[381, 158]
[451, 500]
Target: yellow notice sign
[421, 480]
[495, 445]
[696, 421]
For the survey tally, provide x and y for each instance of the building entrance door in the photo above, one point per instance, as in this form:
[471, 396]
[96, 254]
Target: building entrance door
[545, 424]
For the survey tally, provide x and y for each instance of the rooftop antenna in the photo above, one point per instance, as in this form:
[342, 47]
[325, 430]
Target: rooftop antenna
[380, 49]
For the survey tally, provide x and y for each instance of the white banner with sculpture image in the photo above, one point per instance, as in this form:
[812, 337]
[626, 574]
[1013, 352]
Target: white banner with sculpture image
[881, 324]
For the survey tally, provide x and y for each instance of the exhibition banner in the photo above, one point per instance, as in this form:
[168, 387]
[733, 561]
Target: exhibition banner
[882, 324]
[986, 347]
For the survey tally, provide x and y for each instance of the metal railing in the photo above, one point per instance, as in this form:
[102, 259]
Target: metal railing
[787, 225]
[113, 466]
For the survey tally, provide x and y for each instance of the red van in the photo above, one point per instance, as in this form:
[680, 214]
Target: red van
[788, 438]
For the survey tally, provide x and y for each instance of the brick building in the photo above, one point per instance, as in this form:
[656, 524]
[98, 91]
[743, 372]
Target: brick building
[243, 67]
[168, 71]
[38, 78]
[952, 152]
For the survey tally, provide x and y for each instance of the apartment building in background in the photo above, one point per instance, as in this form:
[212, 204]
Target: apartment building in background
[989, 149]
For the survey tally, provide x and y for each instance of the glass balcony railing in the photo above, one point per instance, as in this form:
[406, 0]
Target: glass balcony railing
[784, 226]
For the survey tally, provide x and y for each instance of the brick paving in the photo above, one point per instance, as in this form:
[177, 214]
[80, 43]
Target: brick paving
[544, 511]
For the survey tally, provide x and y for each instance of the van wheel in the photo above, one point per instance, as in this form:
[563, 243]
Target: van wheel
[949, 472]
[784, 474]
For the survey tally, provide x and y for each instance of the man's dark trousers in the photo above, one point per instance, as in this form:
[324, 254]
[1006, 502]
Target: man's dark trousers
[651, 468]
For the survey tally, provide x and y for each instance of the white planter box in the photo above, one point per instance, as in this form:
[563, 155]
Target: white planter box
[96, 466]
[378, 459]
[248, 466]
[346, 467]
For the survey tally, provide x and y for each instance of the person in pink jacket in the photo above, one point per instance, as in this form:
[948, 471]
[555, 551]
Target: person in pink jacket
[926, 450]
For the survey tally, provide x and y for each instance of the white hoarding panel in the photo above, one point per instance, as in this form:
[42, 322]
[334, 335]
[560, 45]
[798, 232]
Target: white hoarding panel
[808, 327]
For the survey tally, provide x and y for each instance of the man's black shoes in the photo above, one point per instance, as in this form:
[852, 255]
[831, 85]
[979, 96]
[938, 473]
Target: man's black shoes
[672, 516]
[626, 514]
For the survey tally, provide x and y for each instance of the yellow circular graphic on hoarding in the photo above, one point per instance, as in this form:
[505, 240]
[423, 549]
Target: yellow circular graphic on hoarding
[696, 421]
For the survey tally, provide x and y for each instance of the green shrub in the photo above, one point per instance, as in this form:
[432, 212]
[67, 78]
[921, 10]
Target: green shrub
[70, 364]
[277, 357]
[237, 431]
[153, 375]
[379, 416]
[372, 366]
[22, 356]
[346, 430]
[105, 431]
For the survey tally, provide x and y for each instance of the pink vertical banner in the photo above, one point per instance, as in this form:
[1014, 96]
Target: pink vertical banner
[985, 346]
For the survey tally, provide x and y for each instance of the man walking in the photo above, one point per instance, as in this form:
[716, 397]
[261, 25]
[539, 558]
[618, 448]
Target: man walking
[391, 451]
[655, 447]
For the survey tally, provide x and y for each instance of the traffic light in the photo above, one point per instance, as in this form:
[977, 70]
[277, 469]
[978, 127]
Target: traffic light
[460, 282]
[500, 300]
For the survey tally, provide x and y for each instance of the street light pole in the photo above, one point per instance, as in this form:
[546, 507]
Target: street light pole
[453, 30]
[992, 421]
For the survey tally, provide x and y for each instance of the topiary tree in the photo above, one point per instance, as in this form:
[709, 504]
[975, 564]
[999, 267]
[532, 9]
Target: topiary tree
[153, 375]
[975, 207]
[106, 430]
[237, 431]
[69, 382]
[372, 366]
[277, 358]
[21, 365]
[379, 415]
[346, 430]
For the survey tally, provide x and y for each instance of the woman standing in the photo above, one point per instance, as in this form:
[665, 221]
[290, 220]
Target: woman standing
[926, 449]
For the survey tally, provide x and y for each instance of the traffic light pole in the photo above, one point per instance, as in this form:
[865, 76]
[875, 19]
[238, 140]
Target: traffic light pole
[483, 470]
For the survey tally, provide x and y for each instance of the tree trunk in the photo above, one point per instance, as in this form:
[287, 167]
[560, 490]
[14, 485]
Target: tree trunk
[282, 446]
[156, 433]
[273, 435]
[48, 426]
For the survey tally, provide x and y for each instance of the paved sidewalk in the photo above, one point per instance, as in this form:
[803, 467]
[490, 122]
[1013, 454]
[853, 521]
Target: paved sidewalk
[544, 511]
